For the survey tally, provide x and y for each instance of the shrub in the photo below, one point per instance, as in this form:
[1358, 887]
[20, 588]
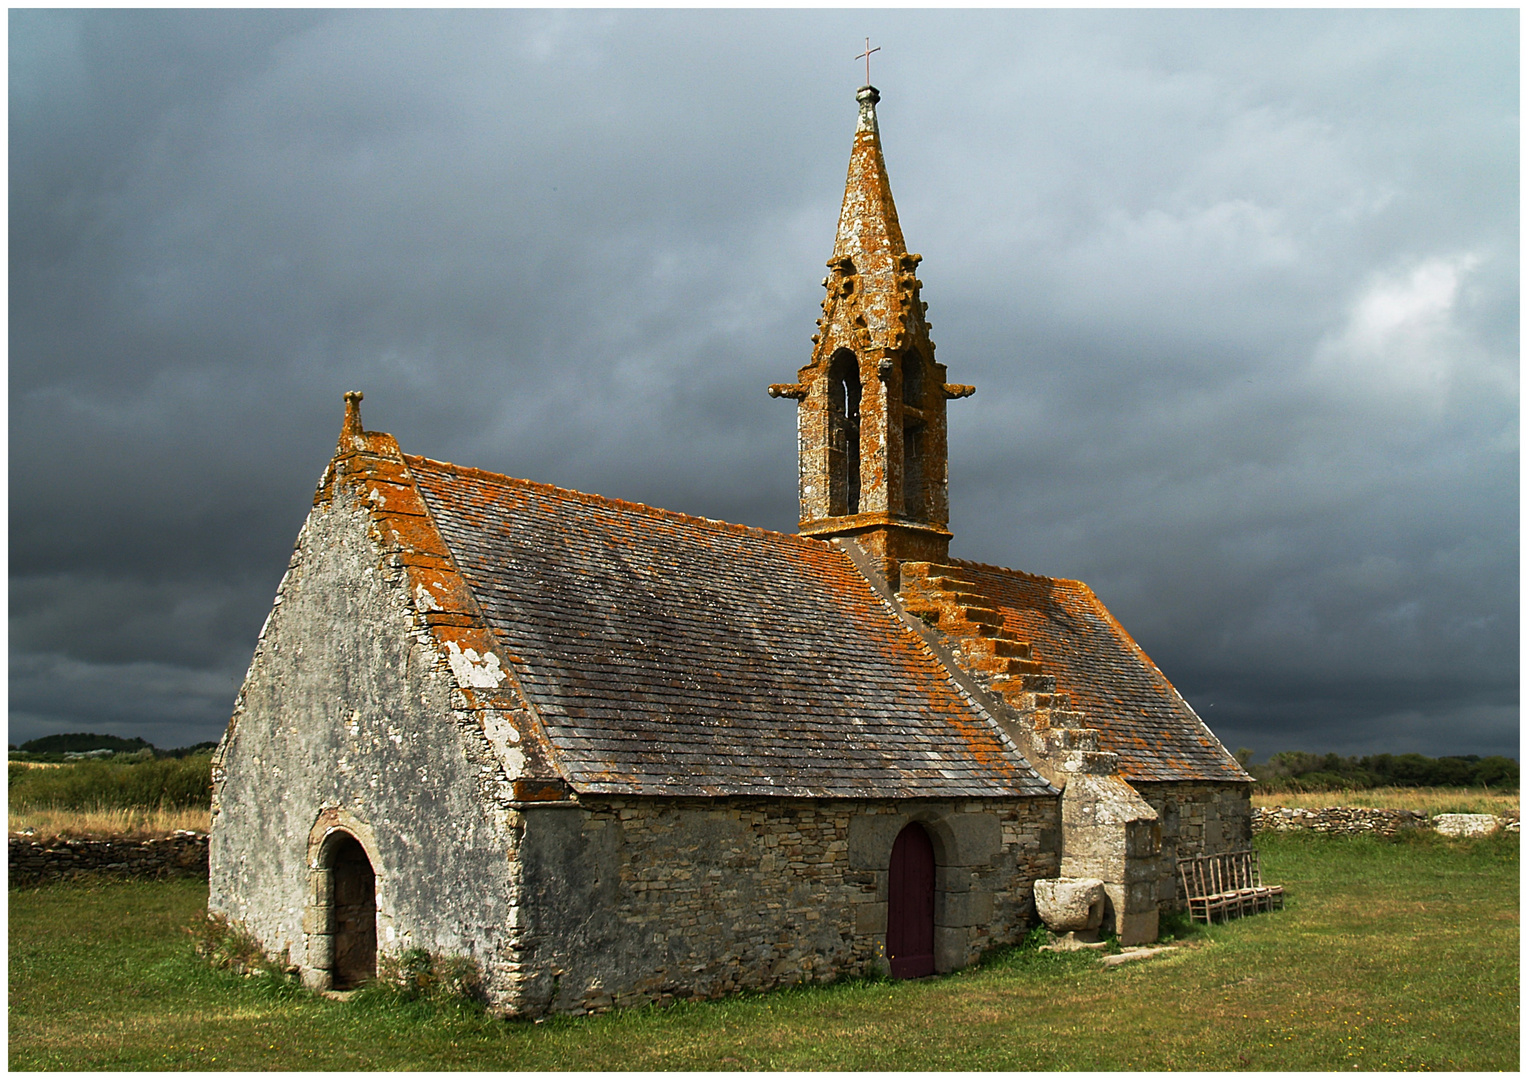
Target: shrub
[167, 783]
[418, 974]
[227, 946]
[83, 742]
[1297, 771]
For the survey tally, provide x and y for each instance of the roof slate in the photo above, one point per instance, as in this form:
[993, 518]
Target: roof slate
[1138, 713]
[668, 654]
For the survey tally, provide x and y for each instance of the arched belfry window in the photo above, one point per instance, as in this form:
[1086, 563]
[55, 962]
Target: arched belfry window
[912, 380]
[914, 490]
[843, 434]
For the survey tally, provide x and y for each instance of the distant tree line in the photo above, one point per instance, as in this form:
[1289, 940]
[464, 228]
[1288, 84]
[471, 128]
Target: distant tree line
[82, 744]
[1294, 770]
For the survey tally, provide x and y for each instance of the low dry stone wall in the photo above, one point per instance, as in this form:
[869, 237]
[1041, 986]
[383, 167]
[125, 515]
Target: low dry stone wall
[1348, 820]
[32, 861]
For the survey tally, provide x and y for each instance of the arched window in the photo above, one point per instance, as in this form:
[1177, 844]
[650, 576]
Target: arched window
[910, 905]
[914, 497]
[912, 380]
[843, 434]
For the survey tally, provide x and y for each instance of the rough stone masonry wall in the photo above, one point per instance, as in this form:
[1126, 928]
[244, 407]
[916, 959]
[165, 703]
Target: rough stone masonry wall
[637, 899]
[181, 855]
[1197, 818]
[347, 716]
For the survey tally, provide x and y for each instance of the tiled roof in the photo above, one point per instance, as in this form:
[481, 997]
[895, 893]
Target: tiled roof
[668, 654]
[1138, 713]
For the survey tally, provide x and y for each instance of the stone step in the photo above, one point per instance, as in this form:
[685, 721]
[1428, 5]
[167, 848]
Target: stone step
[951, 583]
[996, 646]
[983, 615]
[1061, 718]
[1030, 701]
[1014, 687]
[965, 628]
[1060, 740]
[927, 612]
[1005, 665]
[1089, 762]
[917, 571]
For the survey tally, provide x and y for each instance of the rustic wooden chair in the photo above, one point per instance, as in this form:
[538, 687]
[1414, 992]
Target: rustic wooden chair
[1227, 885]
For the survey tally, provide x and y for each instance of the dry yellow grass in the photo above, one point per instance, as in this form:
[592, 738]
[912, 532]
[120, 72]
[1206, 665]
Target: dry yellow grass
[136, 823]
[1425, 800]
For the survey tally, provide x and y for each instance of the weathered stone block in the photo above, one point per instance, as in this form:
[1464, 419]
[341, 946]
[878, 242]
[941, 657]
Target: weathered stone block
[971, 908]
[870, 919]
[1466, 824]
[321, 951]
[951, 948]
[1139, 928]
[1067, 904]
[870, 839]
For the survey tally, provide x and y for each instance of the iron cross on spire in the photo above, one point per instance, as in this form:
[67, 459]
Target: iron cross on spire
[865, 56]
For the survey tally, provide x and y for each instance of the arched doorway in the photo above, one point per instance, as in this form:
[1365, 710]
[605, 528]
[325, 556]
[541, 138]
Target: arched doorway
[910, 905]
[353, 913]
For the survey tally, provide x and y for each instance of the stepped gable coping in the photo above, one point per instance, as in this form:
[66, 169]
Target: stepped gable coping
[865, 733]
[1141, 758]
[986, 704]
[992, 568]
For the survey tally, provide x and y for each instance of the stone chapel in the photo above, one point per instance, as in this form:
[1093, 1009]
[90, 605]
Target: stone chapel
[613, 754]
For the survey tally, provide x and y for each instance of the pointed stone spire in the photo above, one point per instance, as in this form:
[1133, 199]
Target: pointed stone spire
[869, 234]
[871, 419]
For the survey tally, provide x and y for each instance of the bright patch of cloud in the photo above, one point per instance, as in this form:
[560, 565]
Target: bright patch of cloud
[1402, 335]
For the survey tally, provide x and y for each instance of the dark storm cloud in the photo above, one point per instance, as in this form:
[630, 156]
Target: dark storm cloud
[1239, 291]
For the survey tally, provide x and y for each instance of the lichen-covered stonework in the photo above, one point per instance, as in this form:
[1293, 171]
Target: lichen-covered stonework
[347, 713]
[628, 900]
[614, 755]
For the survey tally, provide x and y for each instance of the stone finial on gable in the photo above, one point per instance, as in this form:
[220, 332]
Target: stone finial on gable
[351, 432]
[352, 425]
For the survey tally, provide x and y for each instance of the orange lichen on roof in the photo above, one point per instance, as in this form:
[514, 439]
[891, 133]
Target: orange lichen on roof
[670, 654]
[1137, 711]
[371, 469]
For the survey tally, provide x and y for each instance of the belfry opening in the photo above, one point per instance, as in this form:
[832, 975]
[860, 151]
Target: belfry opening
[914, 505]
[844, 434]
[871, 419]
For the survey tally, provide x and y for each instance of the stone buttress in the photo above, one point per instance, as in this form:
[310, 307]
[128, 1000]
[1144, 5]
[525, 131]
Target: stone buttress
[1108, 831]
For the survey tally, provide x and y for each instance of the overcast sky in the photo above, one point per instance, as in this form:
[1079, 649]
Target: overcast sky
[1239, 292]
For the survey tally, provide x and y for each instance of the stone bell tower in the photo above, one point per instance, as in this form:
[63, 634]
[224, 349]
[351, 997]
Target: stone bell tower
[871, 418]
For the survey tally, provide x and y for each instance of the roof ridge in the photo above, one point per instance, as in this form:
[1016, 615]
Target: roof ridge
[626, 504]
[974, 565]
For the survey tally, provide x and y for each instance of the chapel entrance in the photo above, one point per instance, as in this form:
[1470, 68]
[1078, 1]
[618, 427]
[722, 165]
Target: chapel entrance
[355, 914]
[910, 905]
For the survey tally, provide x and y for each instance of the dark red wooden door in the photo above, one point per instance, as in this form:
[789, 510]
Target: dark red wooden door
[910, 905]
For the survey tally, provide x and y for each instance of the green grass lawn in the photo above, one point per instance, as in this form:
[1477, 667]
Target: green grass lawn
[1389, 955]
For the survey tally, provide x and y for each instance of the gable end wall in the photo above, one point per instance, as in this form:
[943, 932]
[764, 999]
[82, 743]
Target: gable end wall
[348, 710]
